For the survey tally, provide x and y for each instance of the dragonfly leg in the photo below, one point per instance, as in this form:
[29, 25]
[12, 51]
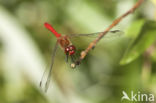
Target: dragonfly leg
[72, 58]
[67, 58]
[74, 64]
[77, 62]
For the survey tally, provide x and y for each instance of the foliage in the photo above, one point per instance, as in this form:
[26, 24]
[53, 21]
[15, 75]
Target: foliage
[123, 63]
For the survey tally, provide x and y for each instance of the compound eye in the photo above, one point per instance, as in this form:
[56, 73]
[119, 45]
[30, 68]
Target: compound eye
[67, 50]
[72, 47]
[71, 52]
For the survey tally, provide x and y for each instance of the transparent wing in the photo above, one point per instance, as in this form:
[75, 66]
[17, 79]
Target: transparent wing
[110, 34]
[50, 70]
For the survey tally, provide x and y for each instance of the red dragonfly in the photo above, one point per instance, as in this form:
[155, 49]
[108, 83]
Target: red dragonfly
[69, 49]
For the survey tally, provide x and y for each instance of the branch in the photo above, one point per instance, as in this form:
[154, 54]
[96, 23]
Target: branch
[115, 22]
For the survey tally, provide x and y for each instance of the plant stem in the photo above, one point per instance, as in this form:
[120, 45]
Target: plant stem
[114, 23]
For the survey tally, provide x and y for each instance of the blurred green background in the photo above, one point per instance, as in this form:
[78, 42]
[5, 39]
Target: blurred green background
[118, 63]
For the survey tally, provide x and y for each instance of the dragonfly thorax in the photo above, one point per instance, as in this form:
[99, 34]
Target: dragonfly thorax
[64, 41]
[70, 50]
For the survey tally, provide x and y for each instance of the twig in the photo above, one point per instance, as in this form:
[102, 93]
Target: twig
[115, 22]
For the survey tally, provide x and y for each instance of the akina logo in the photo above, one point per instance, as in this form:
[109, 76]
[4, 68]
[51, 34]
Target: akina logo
[137, 96]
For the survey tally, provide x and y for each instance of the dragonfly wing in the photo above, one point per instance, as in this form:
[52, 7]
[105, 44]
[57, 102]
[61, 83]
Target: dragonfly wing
[114, 33]
[108, 35]
[50, 70]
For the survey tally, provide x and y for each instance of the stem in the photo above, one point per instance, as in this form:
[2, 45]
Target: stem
[114, 23]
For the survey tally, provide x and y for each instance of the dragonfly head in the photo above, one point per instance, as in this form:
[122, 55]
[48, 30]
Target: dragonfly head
[70, 50]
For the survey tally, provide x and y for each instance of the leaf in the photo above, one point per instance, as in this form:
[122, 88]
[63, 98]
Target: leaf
[146, 37]
[135, 28]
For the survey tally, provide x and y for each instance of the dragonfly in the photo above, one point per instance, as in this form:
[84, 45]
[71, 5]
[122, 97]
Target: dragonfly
[69, 49]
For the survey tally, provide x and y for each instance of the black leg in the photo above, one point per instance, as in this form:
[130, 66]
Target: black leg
[67, 58]
[72, 58]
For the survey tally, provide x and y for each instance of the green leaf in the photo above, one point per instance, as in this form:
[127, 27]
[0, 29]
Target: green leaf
[135, 28]
[146, 37]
